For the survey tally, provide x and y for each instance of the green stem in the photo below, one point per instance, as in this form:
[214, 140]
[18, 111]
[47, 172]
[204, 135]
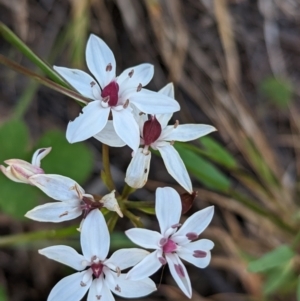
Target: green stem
[134, 219]
[10, 37]
[106, 166]
[17, 239]
[111, 223]
[127, 190]
[20, 69]
[137, 205]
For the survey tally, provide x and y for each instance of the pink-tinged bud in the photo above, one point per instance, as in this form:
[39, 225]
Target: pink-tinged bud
[20, 171]
[151, 130]
[110, 93]
[187, 201]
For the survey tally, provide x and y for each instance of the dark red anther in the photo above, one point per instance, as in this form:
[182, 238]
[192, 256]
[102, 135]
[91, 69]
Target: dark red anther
[110, 92]
[151, 130]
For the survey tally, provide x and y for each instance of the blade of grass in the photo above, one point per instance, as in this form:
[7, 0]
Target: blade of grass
[20, 69]
[14, 40]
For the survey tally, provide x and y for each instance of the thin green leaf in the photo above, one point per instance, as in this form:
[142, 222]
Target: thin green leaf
[14, 40]
[298, 289]
[275, 258]
[20, 69]
[204, 171]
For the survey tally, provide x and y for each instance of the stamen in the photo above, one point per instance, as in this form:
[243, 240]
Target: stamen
[163, 241]
[192, 235]
[64, 214]
[118, 270]
[125, 105]
[172, 142]
[118, 289]
[199, 254]
[106, 99]
[131, 73]
[139, 87]
[176, 124]
[82, 284]
[179, 270]
[176, 226]
[98, 297]
[108, 67]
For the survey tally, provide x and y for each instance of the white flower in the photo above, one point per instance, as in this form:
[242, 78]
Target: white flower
[174, 241]
[97, 274]
[20, 171]
[113, 95]
[73, 200]
[157, 134]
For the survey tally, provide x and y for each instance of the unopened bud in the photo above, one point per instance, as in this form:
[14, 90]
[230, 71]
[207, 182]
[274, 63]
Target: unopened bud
[151, 130]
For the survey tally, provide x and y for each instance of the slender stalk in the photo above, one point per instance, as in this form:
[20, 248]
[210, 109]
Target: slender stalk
[137, 205]
[134, 219]
[127, 190]
[108, 180]
[47, 82]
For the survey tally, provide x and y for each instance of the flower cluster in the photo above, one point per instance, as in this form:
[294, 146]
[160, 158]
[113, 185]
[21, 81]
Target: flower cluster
[120, 112]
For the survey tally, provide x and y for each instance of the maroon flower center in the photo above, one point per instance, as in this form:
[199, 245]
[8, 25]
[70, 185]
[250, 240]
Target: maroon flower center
[97, 269]
[170, 246]
[88, 204]
[110, 94]
[151, 130]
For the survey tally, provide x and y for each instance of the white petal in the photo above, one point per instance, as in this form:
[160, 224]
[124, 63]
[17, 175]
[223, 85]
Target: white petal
[153, 102]
[126, 128]
[54, 212]
[186, 132]
[94, 236]
[109, 136]
[187, 252]
[131, 289]
[176, 167]
[39, 155]
[167, 208]
[69, 288]
[145, 238]
[99, 58]
[168, 90]
[90, 122]
[184, 282]
[79, 80]
[57, 187]
[95, 293]
[126, 258]
[8, 173]
[65, 255]
[138, 169]
[196, 223]
[147, 267]
[106, 294]
[135, 76]
[163, 119]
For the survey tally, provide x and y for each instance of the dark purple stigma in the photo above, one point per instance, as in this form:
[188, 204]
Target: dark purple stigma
[110, 94]
[97, 269]
[151, 130]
